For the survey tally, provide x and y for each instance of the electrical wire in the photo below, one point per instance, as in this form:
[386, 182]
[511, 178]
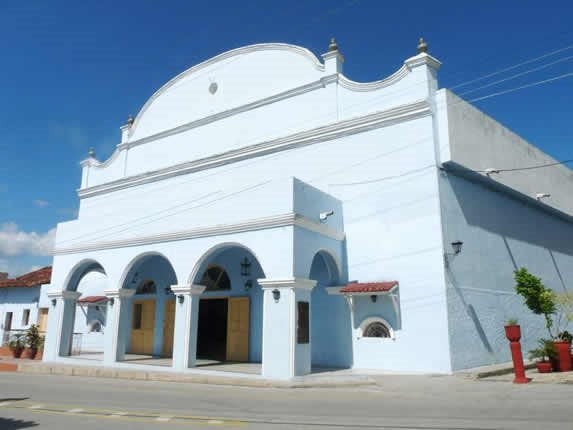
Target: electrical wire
[515, 66]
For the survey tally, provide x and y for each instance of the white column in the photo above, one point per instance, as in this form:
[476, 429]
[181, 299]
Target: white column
[186, 320]
[117, 324]
[61, 316]
[283, 356]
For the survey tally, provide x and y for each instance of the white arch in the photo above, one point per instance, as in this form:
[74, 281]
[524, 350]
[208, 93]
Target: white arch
[214, 250]
[333, 257]
[135, 260]
[81, 269]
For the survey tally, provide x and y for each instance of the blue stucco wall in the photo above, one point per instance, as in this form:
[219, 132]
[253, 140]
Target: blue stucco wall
[500, 234]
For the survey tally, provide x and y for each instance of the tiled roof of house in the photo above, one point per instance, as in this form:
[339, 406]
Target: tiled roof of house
[33, 279]
[93, 299]
[369, 287]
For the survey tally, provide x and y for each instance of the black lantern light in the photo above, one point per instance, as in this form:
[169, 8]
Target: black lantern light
[276, 295]
[248, 284]
[457, 246]
[373, 297]
[245, 267]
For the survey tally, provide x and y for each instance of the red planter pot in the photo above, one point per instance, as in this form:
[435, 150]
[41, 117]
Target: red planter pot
[32, 353]
[17, 352]
[513, 333]
[543, 366]
[563, 360]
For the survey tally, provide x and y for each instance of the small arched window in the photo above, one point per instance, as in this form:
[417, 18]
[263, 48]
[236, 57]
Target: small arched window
[376, 327]
[146, 287]
[215, 278]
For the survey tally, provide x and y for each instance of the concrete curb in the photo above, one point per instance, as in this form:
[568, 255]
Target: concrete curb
[191, 378]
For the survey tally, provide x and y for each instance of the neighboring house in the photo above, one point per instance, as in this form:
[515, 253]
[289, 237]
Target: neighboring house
[264, 207]
[23, 302]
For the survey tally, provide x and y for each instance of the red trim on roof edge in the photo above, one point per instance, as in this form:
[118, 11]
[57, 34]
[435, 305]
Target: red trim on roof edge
[93, 299]
[369, 287]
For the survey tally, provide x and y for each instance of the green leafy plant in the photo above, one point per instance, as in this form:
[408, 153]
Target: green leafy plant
[511, 321]
[539, 299]
[564, 315]
[544, 351]
[17, 342]
[33, 338]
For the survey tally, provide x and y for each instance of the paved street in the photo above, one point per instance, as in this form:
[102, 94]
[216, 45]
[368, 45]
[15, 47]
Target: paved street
[398, 402]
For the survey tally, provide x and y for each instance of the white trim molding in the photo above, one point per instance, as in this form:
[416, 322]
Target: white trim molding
[188, 290]
[286, 220]
[299, 283]
[316, 135]
[65, 294]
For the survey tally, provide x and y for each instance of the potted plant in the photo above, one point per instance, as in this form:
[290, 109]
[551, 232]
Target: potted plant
[540, 300]
[543, 354]
[512, 330]
[33, 341]
[563, 318]
[17, 344]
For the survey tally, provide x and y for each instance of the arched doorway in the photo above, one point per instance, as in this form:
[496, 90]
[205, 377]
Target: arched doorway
[331, 341]
[85, 278]
[151, 315]
[231, 307]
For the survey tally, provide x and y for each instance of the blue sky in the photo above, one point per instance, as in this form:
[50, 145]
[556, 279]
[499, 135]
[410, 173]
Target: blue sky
[71, 72]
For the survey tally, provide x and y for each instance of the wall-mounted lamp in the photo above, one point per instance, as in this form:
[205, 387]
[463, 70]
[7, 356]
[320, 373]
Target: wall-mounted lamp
[540, 196]
[276, 295]
[373, 297]
[457, 246]
[111, 301]
[181, 298]
[245, 267]
[54, 301]
[248, 284]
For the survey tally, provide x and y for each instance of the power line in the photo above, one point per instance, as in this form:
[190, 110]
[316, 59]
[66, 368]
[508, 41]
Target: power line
[512, 67]
[540, 166]
[544, 66]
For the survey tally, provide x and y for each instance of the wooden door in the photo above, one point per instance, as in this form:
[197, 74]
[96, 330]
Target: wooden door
[42, 319]
[168, 329]
[142, 327]
[238, 329]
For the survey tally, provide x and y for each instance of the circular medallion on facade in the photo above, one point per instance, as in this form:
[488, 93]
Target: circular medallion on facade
[213, 87]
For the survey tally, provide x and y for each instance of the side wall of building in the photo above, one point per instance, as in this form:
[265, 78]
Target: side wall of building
[18, 300]
[500, 234]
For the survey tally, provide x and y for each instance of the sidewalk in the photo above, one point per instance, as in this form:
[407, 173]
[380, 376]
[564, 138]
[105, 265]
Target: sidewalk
[327, 379]
[504, 373]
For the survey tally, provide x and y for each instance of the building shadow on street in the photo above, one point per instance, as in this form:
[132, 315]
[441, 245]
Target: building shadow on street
[10, 424]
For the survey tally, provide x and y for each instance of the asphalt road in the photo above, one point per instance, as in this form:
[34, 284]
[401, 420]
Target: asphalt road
[398, 402]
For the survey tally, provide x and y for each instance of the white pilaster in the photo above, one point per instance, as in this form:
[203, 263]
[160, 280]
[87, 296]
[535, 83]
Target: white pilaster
[283, 356]
[186, 319]
[61, 316]
[117, 324]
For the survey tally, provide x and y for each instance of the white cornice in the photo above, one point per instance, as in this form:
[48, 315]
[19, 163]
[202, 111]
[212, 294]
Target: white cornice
[422, 59]
[302, 283]
[320, 134]
[375, 85]
[286, 220]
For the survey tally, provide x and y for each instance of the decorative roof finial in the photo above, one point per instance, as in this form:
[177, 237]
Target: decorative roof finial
[130, 121]
[91, 152]
[422, 46]
[333, 46]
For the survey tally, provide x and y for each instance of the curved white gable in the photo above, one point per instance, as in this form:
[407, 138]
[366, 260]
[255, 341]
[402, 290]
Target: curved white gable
[249, 102]
[263, 69]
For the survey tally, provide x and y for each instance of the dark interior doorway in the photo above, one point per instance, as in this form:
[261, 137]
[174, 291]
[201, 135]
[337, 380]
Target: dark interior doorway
[212, 329]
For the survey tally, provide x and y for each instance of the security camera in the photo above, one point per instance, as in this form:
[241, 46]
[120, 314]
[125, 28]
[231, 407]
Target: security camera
[324, 215]
[540, 196]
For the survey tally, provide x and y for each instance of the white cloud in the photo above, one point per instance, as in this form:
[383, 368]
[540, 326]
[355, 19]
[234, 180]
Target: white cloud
[14, 242]
[41, 203]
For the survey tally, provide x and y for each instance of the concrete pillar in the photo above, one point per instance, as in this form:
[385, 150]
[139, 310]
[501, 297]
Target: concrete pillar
[158, 329]
[61, 317]
[117, 324]
[284, 356]
[186, 319]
